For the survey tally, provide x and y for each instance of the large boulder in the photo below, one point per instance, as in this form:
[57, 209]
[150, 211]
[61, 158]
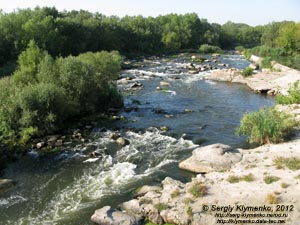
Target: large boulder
[211, 158]
[6, 185]
[110, 216]
[146, 188]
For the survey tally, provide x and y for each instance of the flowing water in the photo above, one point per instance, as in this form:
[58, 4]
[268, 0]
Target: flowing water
[63, 189]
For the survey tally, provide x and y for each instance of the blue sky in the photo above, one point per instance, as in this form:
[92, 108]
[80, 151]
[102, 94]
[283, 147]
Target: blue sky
[252, 12]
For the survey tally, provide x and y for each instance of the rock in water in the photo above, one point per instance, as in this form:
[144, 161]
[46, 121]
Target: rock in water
[122, 141]
[6, 185]
[110, 216]
[211, 158]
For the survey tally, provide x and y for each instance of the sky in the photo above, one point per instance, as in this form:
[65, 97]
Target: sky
[252, 12]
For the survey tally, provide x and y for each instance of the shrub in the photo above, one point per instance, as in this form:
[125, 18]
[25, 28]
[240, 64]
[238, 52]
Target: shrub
[266, 126]
[266, 63]
[239, 48]
[247, 72]
[43, 93]
[233, 179]
[270, 179]
[293, 96]
[207, 49]
[292, 163]
[248, 178]
[161, 206]
[198, 190]
[272, 199]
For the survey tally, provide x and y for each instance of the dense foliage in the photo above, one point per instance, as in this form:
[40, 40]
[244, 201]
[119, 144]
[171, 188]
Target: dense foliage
[44, 92]
[281, 42]
[74, 32]
[266, 126]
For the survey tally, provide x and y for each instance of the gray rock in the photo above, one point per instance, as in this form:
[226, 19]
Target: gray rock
[211, 158]
[122, 141]
[40, 145]
[109, 216]
[152, 214]
[164, 83]
[146, 188]
[133, 207]
[6, 185]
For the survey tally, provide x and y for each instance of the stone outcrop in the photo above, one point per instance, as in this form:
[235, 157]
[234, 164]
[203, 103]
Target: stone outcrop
[270, 83]
[6, 185]
[110, 216]
[210, 158]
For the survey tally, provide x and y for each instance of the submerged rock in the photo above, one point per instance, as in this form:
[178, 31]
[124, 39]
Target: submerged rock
[211, 158]
[110, 216]
[6, 185]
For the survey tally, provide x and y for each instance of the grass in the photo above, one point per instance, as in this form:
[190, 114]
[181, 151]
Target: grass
[247, 72]
[189, 211]
[297, 176]
[248, 178]
[235, 179]
[175, 193]
[198, 190]
[270, 179]
[272, 199]
[267, 126]
[293, 96]
[291, 163]
[145, 201]
[161, 206]
[284, 185]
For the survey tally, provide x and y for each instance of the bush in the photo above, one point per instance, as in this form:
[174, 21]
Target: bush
[293, 96]
[247, 72]
[292, 163]
[239, 48]
[198, 190]
[270, 179]
[266, 63]
[43, 93]
[207, 49]
[266, 126]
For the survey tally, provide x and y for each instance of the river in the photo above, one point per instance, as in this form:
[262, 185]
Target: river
[65, 190]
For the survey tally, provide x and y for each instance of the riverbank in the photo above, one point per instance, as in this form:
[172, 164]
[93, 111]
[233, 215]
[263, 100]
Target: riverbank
[228, 179]
[266, 176]
[271, 82]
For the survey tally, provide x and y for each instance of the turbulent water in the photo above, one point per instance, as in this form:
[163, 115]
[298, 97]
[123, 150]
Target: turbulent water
[63, 189]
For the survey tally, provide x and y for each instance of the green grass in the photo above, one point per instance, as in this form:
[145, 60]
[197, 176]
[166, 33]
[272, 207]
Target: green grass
[198, 190]
[233, 179]
[247, 72]
[175, 193]
[293, 96]
[267, 126]
[248, 178]
[270, 179]
[291, 163]
[161, 206]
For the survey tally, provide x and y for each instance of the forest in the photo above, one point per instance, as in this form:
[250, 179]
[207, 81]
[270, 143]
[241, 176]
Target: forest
[50, 60]
[73, 32]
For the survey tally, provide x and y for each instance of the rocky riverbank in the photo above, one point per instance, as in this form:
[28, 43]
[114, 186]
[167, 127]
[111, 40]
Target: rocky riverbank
[263, 176]
[231, 183]
[262, 81]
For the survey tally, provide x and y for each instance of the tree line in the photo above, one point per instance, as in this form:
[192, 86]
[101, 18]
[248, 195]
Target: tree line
[62, 64]
[74, 32]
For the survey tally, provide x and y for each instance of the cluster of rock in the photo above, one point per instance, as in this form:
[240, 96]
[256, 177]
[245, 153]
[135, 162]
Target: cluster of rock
[178, 203]
[265, 81]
